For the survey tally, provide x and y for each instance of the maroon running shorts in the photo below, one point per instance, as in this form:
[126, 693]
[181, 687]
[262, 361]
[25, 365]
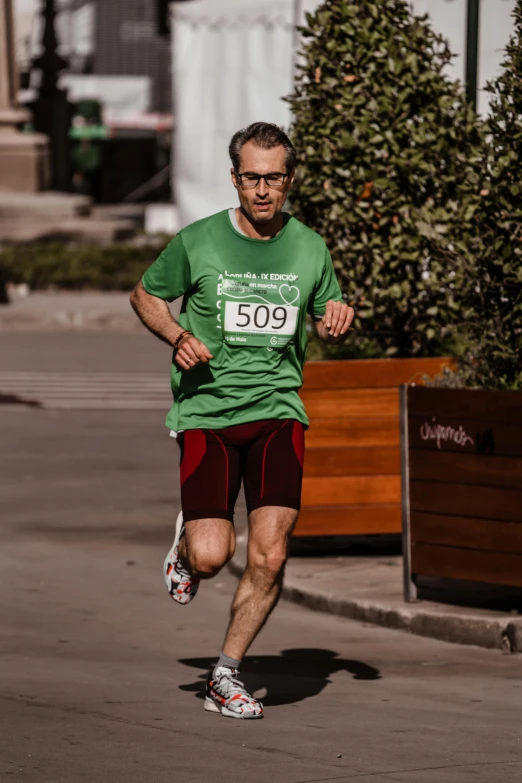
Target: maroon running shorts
[267, 455]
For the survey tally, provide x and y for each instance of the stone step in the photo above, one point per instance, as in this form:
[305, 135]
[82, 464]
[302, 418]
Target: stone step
[73, 229]
[42, 207]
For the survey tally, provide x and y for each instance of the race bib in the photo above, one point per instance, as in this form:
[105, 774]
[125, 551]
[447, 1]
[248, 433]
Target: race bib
[256, 314]
[256, 324]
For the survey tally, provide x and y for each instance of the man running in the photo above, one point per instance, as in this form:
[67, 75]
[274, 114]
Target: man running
[248, 277]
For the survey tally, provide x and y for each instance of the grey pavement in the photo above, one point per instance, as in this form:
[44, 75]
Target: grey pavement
[111, 372]
[75, 352]
[33, 217]
[102, 675]
[70, 312]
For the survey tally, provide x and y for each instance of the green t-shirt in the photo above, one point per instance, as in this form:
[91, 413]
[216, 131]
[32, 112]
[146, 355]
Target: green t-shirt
[247, 300]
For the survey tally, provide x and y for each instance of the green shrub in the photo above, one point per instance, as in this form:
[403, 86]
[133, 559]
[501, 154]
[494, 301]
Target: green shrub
[109, 268]
[389, 170]
[494, 298]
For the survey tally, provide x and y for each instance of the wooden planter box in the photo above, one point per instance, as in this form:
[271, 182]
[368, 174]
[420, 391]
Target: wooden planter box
[351, 482]
[462, 491]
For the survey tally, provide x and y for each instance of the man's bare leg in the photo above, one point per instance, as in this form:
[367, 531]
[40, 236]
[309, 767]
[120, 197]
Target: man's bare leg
[260, 586]
[207, 545]
[200, 549]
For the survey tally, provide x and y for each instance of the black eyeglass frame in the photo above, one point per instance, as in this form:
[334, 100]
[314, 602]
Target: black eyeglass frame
[266, 177]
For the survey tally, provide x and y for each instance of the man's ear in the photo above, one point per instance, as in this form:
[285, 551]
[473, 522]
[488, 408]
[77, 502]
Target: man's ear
[291, 179]
[234, 179]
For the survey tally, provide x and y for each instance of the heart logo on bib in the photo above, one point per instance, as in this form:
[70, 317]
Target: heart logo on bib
[289, 293]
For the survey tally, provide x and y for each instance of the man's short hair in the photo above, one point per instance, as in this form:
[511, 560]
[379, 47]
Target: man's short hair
[265, 135]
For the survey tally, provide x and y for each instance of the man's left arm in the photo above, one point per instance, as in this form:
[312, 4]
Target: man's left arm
[332, 317]
[334, 326]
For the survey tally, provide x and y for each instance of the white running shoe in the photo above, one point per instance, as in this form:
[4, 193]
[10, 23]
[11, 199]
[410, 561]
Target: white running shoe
[227, 695]
[182, 586]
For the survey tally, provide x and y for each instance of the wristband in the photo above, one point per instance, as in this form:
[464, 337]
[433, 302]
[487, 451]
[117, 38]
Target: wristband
[179, 338]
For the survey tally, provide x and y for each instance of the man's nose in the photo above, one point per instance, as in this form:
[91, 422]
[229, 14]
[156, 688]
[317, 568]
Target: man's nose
[262, 188]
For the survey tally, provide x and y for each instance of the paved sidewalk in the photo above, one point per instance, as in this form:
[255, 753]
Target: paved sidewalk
[369, 589]
[107, 311]
[75, 310]
[33, 217]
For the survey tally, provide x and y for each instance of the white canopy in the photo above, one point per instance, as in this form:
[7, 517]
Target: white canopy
[232, 64]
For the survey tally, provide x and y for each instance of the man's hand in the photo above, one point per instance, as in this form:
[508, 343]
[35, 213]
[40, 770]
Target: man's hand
[191, 351]
[335, 323]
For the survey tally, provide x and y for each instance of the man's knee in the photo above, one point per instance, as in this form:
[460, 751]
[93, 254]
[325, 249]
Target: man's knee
[269, 562]
[205, 563]
[207, 546]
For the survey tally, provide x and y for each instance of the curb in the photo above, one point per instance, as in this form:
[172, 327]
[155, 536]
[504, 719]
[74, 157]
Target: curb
[501, 633]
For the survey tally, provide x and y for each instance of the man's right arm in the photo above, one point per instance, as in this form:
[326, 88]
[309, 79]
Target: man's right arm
[155, 314]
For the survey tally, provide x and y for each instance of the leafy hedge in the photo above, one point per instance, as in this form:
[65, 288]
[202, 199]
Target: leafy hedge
[389, 170]
[109, 268]
[494, 295]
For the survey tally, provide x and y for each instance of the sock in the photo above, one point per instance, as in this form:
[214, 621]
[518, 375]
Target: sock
[224, 660]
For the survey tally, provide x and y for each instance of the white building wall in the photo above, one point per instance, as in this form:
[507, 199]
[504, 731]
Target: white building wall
[448, 17]
[496, 27]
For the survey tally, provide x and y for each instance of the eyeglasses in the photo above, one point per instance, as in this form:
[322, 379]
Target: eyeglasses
[251, 180]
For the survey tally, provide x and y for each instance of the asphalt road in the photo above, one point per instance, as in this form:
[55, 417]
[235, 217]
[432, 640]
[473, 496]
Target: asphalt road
[81, 351]
[102, 675]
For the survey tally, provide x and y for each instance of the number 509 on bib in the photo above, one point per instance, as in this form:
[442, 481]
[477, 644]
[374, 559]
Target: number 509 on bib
[255, 324]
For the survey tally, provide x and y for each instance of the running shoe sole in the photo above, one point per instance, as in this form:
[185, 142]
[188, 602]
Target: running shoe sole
[177, 531]
[167, 564]
[212, 706]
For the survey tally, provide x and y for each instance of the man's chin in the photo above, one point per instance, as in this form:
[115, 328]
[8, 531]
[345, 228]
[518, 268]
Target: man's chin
[259, 216]
[263, 218]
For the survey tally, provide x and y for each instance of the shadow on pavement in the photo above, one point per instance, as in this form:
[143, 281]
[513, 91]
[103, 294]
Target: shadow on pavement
[292, 676]
[352, 546]
[15, 399]
[475, 595]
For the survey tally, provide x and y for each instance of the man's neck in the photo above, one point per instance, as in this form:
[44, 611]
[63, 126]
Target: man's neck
[259, 230]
